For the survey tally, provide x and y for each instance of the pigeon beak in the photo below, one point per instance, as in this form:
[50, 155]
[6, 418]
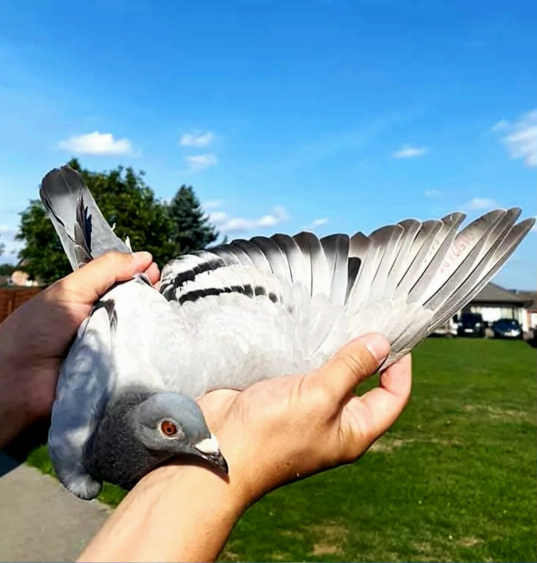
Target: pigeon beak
[209, 450]
[218, 460]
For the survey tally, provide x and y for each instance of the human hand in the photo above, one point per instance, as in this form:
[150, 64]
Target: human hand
[283, 429]
[36, 337]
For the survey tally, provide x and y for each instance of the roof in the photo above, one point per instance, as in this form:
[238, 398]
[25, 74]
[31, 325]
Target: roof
[532, 296]
[493, 293]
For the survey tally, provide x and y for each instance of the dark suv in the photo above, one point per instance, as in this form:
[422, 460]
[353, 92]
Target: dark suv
[471, 324]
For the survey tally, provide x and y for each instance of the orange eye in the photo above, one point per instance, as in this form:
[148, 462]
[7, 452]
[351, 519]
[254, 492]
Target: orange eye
[168, 428]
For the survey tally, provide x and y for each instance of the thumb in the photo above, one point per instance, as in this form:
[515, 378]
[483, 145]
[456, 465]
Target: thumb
[355, 362]
[99, 275]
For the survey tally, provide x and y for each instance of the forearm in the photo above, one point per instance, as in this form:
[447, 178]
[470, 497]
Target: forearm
[176, 513]
[15, 405]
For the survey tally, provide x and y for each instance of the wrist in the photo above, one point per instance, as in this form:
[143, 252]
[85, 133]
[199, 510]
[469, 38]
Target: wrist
[227, 493]
[178, 512]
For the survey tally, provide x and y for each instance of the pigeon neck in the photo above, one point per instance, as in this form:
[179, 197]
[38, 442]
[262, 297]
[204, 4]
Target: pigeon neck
[116, 433]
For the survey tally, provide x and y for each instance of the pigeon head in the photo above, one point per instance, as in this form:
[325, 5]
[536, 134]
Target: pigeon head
[174, 424]
[141, 430]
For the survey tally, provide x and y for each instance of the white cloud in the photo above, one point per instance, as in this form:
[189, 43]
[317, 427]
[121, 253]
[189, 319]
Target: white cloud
[499, 126]
[97, 144]
[197, 162]
[226, 224]
[197, 139]
[212, 204]
[218, 217]
[432, 193]
[317, 223]
[479, 204]
[7, 230]
[409, 151]
[520, 137]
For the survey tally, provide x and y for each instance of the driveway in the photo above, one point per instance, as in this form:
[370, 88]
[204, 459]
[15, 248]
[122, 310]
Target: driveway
[41, 521]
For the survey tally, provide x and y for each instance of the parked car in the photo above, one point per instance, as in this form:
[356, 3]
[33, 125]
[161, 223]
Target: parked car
[471, 324]
[447, 328]
[507, 328]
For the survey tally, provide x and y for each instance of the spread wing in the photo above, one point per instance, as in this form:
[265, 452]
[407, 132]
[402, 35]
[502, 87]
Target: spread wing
[402, 280]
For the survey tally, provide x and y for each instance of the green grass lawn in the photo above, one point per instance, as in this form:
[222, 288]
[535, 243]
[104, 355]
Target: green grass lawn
[454, 480]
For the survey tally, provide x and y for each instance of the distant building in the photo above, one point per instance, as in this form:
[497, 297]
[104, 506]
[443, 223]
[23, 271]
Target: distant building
[531, 309]
[494, 302]
[20, 278]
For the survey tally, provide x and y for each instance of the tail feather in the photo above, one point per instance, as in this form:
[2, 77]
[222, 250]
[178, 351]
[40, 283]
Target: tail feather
[84, 232]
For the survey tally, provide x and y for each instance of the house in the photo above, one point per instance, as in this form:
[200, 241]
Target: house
[494, 302]
[531, 308]
[20, 278]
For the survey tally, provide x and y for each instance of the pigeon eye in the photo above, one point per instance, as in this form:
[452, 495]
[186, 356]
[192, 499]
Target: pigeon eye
[168, 428]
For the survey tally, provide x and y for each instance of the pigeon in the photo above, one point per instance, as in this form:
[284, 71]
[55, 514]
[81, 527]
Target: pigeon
[236, 314]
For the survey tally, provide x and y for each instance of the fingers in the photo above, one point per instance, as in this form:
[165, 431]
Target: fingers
[153, 273]
[397, 379]
[351, 365]
[96, 277]
[385, 403]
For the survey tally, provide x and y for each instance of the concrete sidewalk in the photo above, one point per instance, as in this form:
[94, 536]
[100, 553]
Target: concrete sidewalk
[41, 521]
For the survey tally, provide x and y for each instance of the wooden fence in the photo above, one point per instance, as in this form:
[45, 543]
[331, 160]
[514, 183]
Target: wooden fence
[13, 297]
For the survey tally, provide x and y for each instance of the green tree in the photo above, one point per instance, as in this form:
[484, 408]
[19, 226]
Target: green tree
[6, 269]
[191, 229]
[124, 199]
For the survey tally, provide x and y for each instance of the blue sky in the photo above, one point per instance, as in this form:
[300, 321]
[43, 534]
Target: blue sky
[336, 115]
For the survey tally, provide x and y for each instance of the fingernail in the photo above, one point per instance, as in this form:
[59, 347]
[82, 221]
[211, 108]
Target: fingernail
[142, 257]
[378, 345]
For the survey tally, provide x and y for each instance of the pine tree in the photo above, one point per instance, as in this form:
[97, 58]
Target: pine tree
[191, 228]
